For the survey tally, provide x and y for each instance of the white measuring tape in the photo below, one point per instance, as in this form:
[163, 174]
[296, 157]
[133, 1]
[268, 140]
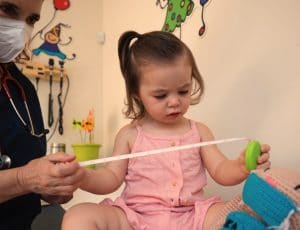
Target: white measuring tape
[159, 151]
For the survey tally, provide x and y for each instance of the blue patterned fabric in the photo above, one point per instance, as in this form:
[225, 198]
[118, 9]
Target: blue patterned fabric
[242, 221]
[269, 203]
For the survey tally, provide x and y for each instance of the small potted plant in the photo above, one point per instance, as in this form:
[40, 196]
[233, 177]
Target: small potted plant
[87, 149]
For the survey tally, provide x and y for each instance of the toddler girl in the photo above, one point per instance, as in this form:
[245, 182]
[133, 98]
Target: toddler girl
[162, 191]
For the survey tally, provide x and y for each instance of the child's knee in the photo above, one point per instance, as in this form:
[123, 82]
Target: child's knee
[77, 215]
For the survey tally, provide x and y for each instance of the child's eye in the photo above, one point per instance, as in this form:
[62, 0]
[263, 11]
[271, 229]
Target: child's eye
[297, 187]
[159, 97]
[183, 92]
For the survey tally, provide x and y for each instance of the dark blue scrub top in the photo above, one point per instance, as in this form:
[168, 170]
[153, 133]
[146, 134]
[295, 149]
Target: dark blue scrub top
[21, 146]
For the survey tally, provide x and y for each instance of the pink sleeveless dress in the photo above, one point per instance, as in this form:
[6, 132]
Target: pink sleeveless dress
[165, 191]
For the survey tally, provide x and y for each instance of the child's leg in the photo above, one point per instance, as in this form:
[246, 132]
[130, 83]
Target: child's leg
[217, 213]
[95, 217]
[211, 217]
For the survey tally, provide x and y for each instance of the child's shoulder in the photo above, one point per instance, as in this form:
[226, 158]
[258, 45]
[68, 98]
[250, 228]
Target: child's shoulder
[204, 130]
[129, 128]
[128, 132]
[201, 125]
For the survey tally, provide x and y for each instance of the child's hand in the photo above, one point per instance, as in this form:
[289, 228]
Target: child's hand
[263, 162]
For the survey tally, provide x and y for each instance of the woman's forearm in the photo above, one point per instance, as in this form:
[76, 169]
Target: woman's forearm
[10, 185]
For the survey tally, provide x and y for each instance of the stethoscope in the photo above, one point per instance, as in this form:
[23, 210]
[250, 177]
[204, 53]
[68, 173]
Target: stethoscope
[5, 160]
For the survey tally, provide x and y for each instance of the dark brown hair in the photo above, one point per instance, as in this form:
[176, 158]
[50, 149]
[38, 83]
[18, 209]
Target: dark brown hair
[156, 46]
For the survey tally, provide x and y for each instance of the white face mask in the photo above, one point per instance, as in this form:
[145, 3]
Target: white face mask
[13, 36]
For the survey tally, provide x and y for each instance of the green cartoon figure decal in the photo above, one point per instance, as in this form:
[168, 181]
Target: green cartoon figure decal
[178, 11]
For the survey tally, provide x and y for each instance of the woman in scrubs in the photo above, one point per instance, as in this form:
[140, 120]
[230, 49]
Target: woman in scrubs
[26, 174]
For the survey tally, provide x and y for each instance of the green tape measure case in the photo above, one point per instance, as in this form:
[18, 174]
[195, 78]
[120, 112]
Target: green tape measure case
[252, 153]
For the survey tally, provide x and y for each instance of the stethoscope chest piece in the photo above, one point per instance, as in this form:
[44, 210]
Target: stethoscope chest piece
[5, 162]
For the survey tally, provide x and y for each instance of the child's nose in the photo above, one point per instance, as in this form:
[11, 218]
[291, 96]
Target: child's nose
[173, 101]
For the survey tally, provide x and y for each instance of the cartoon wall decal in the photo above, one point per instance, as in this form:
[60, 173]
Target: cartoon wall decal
[58, 5]
[51, 41]
[178, 11]
[61, 4]
[202, 29]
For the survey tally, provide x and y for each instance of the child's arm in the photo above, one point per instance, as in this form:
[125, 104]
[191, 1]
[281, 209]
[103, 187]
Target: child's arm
[108, 178]
[223, 170]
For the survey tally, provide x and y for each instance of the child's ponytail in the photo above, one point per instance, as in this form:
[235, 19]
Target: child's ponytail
[128, 69]
[124, 51]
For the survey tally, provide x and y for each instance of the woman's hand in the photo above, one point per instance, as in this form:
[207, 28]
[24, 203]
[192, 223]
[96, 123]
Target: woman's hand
[53, 175]
[52, 199]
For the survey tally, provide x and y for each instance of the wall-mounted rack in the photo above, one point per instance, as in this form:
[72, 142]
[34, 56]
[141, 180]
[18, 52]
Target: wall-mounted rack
[39, 70]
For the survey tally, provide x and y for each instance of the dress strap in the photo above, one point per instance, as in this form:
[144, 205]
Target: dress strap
[194, 128]
[193, 125]
[139, 128]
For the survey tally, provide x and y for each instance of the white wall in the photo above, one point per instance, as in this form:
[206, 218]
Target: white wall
[248, 58]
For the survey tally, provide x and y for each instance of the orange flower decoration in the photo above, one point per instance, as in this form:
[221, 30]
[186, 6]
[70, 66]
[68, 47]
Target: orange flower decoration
[86, 125]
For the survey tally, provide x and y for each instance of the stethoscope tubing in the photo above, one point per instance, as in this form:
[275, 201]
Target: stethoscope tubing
[6, 77]
[5, 160]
